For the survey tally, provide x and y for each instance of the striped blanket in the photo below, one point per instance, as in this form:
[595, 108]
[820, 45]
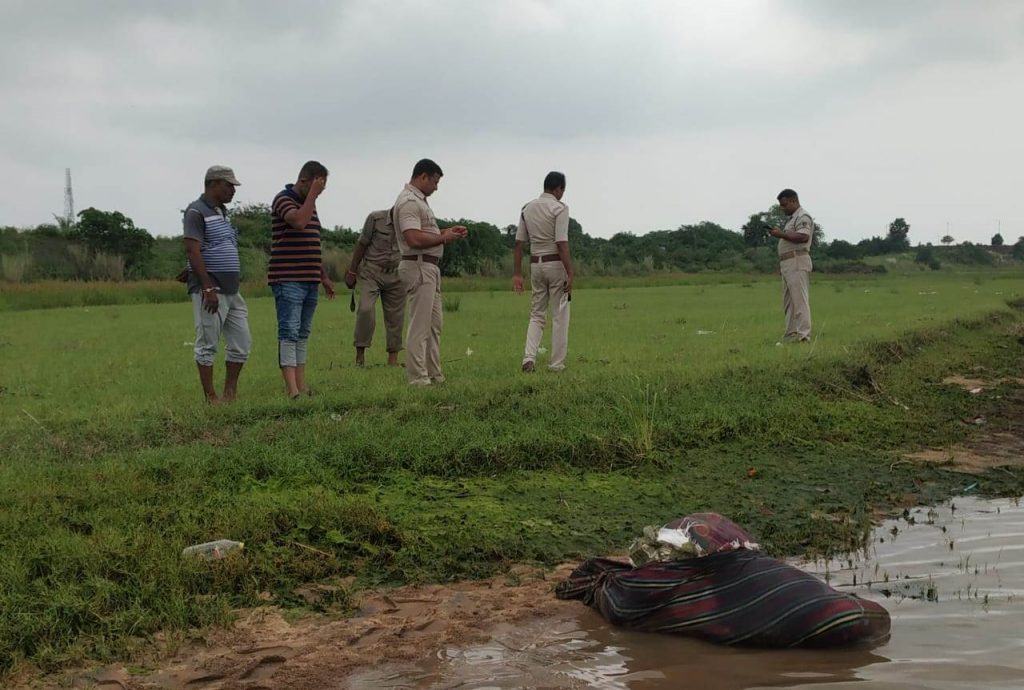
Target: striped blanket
[737, 597]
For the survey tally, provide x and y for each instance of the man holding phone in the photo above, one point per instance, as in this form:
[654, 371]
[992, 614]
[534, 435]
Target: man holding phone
[795, 266]
[544, 223]
[421, 246]
[296, 271]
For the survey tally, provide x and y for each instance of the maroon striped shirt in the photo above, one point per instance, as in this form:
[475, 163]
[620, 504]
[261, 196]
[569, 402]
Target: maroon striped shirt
[294, 254]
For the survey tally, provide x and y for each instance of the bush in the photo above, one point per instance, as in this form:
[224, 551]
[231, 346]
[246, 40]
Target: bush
[926, 255]
[968, 253]
[15, 266]
[336, 261]
[832, 266]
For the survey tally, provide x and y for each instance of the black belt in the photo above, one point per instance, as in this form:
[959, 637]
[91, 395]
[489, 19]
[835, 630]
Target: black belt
[545, 258]
[429, 258]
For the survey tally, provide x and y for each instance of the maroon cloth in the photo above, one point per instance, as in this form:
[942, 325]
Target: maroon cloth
[713, 533]
[732, 596]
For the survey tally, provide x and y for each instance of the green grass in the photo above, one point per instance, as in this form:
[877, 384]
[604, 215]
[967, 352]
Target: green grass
[111, 463]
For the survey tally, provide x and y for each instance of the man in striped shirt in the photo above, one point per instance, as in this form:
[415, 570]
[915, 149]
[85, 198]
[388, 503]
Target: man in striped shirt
[214, 270]
[296, 271]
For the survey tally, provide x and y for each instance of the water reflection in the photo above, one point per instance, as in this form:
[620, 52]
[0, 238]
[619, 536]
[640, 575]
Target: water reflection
[951, 577]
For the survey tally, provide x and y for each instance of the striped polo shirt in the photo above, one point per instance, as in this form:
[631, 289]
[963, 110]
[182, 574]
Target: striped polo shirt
[218, 243]
[294, 254]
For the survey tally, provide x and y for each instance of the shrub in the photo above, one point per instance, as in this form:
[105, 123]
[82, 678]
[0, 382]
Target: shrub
[15, 266]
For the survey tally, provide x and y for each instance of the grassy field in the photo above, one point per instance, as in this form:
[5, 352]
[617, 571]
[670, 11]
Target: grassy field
[110, 463]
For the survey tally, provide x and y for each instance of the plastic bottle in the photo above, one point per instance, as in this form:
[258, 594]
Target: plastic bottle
[212, 550]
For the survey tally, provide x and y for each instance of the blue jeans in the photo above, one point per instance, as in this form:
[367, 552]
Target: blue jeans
[296, 303]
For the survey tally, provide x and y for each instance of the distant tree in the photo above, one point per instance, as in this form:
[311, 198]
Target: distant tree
[841, 249]
[63, 224]
[1018, 250]
[947, 239]
[970, 253]
[898, 230]
[754, 232]
[508, 235]
[111, 232]
[997, 240]
[253, 223]
[340, 236]
[926, 255]
[482, 249]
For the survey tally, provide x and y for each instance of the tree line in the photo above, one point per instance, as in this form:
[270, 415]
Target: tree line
[107, 245]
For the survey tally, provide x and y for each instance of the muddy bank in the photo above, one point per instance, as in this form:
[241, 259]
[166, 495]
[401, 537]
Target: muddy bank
[951, 576]
[264, 649]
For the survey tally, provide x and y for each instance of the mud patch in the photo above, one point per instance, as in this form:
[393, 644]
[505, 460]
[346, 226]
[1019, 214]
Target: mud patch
[1004, 449]
[977, 385]
[990, 449]
[264, 650]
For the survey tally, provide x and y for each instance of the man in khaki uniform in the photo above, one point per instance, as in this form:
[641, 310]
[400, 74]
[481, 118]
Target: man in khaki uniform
[375, 264]
[421, 244]
[795, 265]
[544, 223]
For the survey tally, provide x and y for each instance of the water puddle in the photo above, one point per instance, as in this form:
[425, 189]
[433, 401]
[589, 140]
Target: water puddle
[952, 577]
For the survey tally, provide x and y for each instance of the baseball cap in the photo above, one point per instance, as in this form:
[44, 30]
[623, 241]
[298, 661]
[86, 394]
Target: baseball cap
[222, 172]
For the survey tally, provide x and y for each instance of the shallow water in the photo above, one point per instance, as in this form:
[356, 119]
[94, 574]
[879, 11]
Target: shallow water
[952, 577]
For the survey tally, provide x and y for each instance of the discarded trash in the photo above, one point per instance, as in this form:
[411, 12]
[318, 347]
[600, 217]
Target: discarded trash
[975, 391]
[705, 332]
[469, 352]
[212, 550]
[336, 417]
[972, 487]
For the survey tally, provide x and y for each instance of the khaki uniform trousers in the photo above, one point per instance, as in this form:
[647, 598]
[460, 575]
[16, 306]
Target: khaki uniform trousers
[796, 296]
[548, 282]
[376, 281]
[422, 283]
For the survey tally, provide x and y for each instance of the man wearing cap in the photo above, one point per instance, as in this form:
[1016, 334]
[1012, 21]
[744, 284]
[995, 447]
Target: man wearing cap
[296, 271]
[214, 271]
[375, 264]
[544, 223]
[421, 244]
[795, 266]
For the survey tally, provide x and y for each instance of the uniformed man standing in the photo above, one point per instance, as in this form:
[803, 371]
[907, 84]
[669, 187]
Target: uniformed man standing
[795, 265]
[421, 244]
[375, 265]
[544, 223]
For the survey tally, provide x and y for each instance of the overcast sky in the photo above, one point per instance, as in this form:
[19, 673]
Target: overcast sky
[660, 112]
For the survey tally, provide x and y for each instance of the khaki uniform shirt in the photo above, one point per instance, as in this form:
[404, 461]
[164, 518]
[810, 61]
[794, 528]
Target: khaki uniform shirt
[412, 212]
[800, 222]
[544, 221]
[378, 236]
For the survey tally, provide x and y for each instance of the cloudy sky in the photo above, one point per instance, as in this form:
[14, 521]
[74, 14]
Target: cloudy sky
[660, 112]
